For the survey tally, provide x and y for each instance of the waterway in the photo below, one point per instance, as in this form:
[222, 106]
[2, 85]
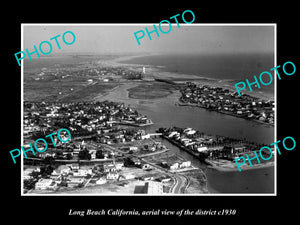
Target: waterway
[164, 113]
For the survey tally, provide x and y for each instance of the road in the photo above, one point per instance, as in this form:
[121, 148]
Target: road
[180, 184]
[180, 181]
[88, 181]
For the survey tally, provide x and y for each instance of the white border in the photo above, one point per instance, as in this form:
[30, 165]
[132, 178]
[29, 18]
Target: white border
[149, 24]
[275, 114]
[22, 110]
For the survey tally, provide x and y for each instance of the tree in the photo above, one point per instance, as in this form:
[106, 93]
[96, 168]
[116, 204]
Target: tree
[35, 174]
[69, 156]
[59, 155]
[45, 171]
[84, 155]
[48, 159]
[99, 154]
[29, 184]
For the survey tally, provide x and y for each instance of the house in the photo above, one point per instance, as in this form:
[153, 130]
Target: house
[202, 148]
[101, 180]
[173, 133]
[55, 177]
[126, 176]
[119, 165]
[61, 170]
[76, 179]
[189, 131]
[93, 154]
[263, 114]
[129, 148]
[170, 165]
[239, 149]
[174, 166]
[185, 164]
[53, 186]
[261, 118]
[76, 151]
[109, 167]
[83, 172]
[134, 161]
[112, 176]
[74, 166]
[27, 173]
[250, 115]
[27, 177]
[146, 136]
[188, 143]
[152, 149]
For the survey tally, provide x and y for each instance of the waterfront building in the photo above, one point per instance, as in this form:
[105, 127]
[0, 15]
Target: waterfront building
[202, 148]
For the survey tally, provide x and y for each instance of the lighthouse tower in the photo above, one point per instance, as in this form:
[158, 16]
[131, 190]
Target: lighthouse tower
[149, 76]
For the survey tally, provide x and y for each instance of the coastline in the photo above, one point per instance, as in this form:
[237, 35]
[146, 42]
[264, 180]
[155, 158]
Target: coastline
[157, 72]
[214, 166]
[255, 180]
[223, 112]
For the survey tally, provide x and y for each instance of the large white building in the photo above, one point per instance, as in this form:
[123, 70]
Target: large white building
[153, 188]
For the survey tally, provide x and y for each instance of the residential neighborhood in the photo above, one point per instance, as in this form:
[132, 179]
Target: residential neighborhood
[108, 148]
[228, 102]
[209, 148]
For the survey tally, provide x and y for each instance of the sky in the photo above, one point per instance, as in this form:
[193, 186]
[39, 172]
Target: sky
[119, 38]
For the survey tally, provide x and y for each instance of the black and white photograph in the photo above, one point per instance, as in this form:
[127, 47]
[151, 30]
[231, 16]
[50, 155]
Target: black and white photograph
[140, 113]
[107, 111]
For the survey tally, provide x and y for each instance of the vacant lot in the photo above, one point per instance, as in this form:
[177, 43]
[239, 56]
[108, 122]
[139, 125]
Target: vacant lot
[151, 90]
[197, 182]
[66, 91]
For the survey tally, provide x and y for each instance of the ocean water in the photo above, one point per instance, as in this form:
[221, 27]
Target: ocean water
[229, 68]
[226, 67]
[252, 181]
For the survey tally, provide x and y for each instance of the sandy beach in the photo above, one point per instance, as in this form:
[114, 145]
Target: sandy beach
[259, 179]
[226, 166]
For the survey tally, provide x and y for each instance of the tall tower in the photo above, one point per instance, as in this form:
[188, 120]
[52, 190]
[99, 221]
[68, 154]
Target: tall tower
[144, 70]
